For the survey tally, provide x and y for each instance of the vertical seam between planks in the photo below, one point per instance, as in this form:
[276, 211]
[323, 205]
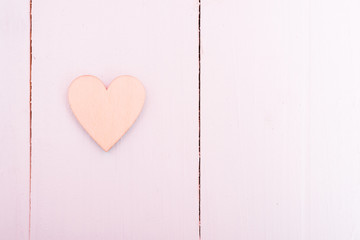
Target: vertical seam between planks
[308, 164]
[199, 105]
[30, 116]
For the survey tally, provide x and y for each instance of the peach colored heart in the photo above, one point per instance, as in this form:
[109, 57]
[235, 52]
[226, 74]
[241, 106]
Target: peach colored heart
[106, 114]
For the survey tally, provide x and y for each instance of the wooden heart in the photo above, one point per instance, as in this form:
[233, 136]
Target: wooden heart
[106, 113]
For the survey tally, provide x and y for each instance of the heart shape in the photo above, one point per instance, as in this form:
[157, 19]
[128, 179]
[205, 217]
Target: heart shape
[106, 113]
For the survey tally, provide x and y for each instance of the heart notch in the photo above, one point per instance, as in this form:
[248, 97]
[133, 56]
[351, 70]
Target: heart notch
[106, 113]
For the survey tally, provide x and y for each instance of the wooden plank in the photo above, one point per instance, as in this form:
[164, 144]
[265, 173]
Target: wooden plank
[335, 117]
[255, 120]
[14, 121]
[146, 186]
[280, 141]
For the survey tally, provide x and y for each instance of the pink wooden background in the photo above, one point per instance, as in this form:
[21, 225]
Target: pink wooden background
[279, 130]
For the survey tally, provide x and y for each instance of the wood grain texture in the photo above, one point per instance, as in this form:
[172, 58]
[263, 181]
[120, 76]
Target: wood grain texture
[106, 112]
[145, 187]
[280, 128]
[14, 120]
[334, 120]
[280, 132]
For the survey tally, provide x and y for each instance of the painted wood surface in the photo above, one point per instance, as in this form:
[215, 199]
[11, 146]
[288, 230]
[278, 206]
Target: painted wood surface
[280, 132]
[334, 166]
[146, 186]
[14, 119]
